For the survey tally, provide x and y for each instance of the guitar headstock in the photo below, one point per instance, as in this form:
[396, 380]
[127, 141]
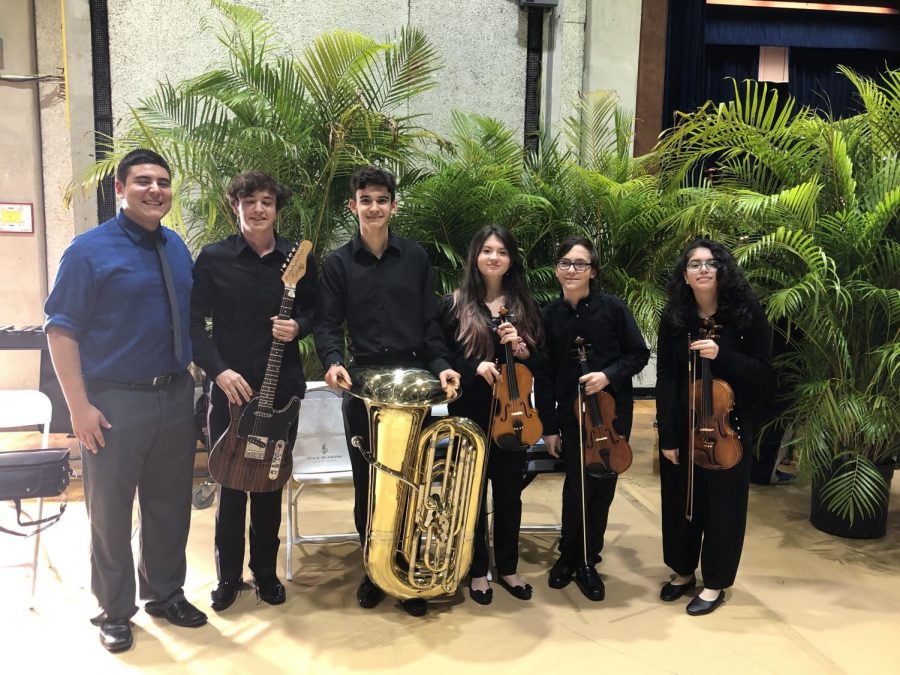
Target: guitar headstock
[295, 267]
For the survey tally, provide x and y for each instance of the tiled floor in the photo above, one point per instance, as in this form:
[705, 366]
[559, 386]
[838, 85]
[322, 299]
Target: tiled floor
[804, 602]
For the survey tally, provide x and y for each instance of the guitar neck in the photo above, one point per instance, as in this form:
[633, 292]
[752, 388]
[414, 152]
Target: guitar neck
[273, 367]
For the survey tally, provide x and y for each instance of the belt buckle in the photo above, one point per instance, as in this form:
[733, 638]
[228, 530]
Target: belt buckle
[162, 380]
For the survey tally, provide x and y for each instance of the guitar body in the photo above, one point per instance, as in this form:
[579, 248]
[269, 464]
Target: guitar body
[253, 454]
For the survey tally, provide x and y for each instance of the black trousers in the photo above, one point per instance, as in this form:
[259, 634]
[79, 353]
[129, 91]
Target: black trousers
[714, 538]
[591, 515]
[506, 473]
[231, 514]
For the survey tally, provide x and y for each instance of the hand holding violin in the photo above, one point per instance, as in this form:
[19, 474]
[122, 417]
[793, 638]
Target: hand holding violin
[594, 382]
[707, 348]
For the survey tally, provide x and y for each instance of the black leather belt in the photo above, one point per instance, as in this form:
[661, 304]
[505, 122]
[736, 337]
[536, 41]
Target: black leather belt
[158, 382]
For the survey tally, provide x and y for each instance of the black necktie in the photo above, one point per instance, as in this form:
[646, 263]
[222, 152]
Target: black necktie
[170, 291]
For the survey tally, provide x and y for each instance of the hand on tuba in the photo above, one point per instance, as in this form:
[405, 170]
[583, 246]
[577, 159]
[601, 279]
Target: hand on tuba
[449, 382]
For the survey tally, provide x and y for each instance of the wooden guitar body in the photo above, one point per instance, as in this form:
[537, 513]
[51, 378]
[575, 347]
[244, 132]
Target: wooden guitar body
[253, 454]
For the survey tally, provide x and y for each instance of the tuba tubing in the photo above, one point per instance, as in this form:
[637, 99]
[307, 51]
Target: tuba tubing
[424, 484]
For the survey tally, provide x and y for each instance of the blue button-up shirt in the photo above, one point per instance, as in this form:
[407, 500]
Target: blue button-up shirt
[110, 293]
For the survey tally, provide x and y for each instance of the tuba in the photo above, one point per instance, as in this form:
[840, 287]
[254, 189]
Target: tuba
[424, 484]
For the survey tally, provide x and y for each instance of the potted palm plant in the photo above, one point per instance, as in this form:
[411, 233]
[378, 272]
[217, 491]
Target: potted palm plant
[816, 211]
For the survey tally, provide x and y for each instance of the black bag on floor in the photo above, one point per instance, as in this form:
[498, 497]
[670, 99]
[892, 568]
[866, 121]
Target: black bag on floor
[30, 474]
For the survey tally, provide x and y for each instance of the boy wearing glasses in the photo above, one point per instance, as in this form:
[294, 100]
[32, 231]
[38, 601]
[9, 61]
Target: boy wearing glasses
[616, 352]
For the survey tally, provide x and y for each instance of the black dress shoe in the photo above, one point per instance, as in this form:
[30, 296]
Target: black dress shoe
[115, 635]
[482, 597]
[181, 613]
[414, 606]
[561, 573]
[589, 582]
[671, 592]
[224, 595]
[271, 591]
[520, 592]
[368, 595]
[698, 606]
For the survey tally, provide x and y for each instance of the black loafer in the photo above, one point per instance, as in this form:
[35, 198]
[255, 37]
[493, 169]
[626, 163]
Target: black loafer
[181, 613]
[115, 635]
[520, 592]
[224, 595]
[368, 595]
[671, 592]
[698, 606]
[589, 582]
[482, 597]
[271, 591]
[414, 606]
[561, 573]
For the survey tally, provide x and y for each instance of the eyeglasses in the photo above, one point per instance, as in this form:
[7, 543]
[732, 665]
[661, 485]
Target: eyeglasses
[579, 265]
[695, 265]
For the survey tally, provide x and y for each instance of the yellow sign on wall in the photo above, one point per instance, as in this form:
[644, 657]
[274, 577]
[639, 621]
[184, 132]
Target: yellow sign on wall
[16, 218]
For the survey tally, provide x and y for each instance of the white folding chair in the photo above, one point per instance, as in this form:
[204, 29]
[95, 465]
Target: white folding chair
[320, 457]
[20, 408]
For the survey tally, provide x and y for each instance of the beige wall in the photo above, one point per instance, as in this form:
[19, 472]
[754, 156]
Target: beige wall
[23, 274]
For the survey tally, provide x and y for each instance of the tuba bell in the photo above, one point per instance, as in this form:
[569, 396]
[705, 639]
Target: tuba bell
[424, 484]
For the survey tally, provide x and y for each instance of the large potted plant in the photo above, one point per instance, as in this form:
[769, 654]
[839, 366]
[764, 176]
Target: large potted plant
[815, 207]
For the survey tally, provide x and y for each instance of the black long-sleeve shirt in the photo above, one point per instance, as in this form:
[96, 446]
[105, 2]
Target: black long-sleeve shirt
[477, 394]
[241, 291]
[388, 303]
[617, 348]
[744, 361]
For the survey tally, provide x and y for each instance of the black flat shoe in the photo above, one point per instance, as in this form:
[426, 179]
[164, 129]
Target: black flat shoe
[271, 591]
[224, 595]
[671, 592]
[698, 606]
[414, 606]
[482, 597]
[520, 592]
[115, 635]
[561, 573]
[181, 613]
[589, 582]
[368, 595]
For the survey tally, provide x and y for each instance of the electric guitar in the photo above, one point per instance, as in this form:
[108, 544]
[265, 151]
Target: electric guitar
[253, 454]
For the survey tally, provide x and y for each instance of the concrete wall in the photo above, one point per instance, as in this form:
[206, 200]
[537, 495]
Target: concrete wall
[23, 275]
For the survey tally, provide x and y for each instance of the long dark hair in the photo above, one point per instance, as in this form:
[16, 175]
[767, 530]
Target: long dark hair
[734, 296]
[474, 330]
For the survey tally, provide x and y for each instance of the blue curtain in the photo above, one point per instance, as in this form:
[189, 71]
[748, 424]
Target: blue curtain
[684, 82]
[814, 79]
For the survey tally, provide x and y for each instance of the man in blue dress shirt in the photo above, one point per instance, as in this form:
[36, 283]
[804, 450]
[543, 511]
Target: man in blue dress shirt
[117, 331]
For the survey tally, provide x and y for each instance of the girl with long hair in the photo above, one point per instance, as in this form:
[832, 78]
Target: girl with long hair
[494, 278]
[707, 284]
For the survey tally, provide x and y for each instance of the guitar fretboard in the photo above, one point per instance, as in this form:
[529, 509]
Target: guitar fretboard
[273, 368]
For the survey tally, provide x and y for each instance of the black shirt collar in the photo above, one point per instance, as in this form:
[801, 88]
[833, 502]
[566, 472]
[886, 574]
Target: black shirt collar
[282, 245]
[357, 245]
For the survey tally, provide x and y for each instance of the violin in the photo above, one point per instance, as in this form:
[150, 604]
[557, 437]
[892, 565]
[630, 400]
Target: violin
[605, 450]
[515, 424]
[713, 443]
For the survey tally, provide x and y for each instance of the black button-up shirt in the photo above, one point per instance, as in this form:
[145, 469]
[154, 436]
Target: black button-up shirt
[617, 348]
[241, 291]
[388, 303]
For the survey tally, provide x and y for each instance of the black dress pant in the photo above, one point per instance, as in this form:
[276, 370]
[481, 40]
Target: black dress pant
[714, 537]
[598, 495]
[506, 473]
[231, 514]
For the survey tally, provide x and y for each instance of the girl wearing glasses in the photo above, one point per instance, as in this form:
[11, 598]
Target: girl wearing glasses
[707, 282]
[494, 278]
[616, 352]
